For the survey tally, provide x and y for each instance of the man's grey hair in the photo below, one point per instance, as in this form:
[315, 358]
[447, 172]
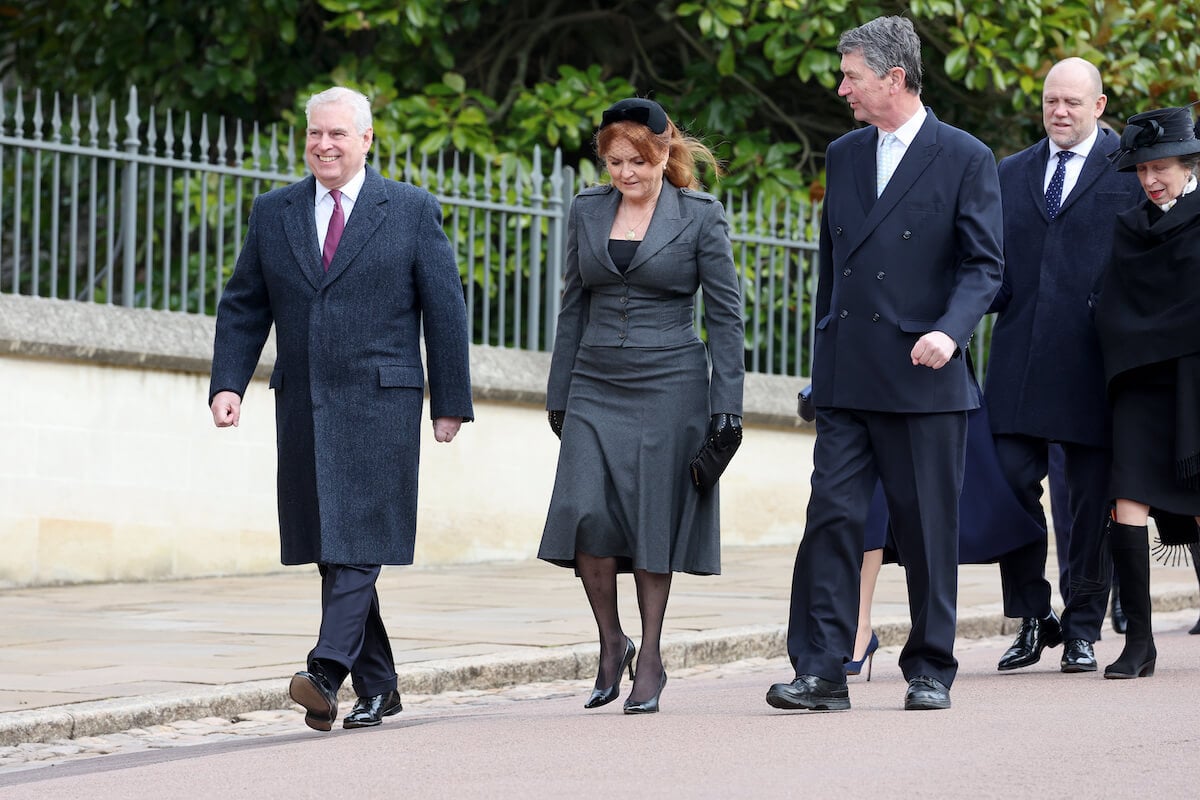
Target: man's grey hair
[886, 43]
[340, 94]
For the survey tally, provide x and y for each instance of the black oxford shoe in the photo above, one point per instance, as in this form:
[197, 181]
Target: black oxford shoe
[811, 693]
[1034, 636]
[926, 694]
[370, 711]
[318, 698]
[1078, 656]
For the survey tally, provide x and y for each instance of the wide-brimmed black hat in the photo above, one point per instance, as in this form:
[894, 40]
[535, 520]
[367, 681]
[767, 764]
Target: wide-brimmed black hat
[636, 109]
[1151, 135]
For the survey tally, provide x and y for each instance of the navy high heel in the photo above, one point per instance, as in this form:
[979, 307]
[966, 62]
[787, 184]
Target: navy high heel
[601, 697]
[647, 706]
[855, 667]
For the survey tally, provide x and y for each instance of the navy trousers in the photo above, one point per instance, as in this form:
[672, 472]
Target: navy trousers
[919, 460]
[352, 631]
[1088, 567]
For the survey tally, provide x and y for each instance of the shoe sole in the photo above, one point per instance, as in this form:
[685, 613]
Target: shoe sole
[781, 701]
[320, 714]
[1071, 669]
[926, 706]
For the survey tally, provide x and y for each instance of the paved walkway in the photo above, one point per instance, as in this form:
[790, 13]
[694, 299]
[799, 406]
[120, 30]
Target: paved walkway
[80, 661]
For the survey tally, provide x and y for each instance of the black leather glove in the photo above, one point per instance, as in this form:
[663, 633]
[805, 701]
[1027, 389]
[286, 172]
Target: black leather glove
[726, 430]
[556, 421]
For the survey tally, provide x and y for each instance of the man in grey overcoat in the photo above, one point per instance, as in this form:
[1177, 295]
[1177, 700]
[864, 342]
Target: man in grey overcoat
[351, 269]
[1045, 378]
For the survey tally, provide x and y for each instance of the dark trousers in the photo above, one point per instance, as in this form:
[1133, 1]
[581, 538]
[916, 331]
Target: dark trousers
[352, 631]
[919, 460]
[1025, 462]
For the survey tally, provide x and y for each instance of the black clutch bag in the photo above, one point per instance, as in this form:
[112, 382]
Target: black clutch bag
[804, 405]
[711, 461]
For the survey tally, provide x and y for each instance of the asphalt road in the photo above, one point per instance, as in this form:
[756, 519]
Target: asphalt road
[1031, 733]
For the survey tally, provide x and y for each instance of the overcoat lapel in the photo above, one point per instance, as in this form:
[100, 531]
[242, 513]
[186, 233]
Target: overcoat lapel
[300, 226]
[1096, 165]
[1035, 178]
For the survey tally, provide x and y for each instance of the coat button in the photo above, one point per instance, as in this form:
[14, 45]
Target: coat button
[844, 314]
[847, 272]
[838, 230]
[906, 235]
[624, 317]
[879, 275]
[624, 300]
[874, 318]
[621, 335]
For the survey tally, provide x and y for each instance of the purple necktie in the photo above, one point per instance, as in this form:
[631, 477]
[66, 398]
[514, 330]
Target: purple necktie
[333, 234]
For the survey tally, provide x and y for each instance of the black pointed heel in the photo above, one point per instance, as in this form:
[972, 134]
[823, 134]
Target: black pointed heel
[647, 706]
[602, 697]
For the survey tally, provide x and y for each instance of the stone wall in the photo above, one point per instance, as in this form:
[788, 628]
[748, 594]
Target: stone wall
[111, 469]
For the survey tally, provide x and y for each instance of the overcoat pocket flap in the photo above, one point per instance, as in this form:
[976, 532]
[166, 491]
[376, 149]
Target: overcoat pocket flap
[400, 375]
[916, 325]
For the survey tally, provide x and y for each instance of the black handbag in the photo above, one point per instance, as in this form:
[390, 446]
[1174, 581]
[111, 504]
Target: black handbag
[711, 461]
[804, 404]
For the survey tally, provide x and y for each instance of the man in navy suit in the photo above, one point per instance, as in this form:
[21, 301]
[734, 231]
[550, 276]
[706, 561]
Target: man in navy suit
[1045, 378]
[351, 269]
[910, 259]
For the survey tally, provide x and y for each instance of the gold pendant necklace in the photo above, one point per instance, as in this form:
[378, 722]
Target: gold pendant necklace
[631, 231]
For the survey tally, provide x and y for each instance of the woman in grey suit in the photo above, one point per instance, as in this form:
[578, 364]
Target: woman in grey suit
[630, 393]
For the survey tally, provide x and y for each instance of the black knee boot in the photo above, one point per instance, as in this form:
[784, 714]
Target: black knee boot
[1131, 561]
[1195, 548]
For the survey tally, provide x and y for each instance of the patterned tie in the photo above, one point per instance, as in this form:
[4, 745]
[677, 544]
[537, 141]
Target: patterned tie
[337, 223]
[1054, 190]
[887, 162]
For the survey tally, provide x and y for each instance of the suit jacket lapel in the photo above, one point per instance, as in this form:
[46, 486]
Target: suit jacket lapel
[300, 227]
[916, 160]
[665, 226]
[596, 221]
[370, 208]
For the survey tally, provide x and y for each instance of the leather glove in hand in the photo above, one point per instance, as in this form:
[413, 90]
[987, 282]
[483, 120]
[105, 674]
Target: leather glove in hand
[726, 430]
[556, 421]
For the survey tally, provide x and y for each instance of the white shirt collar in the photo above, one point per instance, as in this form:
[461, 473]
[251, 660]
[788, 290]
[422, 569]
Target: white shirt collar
[909, 130]
[1187, 189]
[349, 191]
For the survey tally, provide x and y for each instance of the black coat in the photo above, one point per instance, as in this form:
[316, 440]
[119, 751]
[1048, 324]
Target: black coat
[1045, 376]
[348, 377]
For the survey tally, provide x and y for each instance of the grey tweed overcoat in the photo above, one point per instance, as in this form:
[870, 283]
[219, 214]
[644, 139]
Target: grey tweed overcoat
[348, 378]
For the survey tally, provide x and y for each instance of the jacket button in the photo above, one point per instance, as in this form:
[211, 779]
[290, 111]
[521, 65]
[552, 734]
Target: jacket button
[624, 300]
[838, 230]
[621, 335]
[847, 272]
[874, 318]
[879, 275]
[624, 317]
[844, 314]
[906, 235]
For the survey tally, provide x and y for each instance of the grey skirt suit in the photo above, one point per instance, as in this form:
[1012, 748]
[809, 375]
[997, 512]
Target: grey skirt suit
[638, 385]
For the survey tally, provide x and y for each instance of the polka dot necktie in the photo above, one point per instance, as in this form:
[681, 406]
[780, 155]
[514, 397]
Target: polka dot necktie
[887, 162]
[1054, 190]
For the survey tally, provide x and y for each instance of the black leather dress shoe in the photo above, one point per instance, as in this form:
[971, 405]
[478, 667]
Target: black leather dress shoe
[926, 694]
[370, 711]
[1078, 656]
[1034, 636]
[318, 698]
[811, 693]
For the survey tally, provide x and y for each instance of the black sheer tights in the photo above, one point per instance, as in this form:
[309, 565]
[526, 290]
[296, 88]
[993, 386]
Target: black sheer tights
[599, 577]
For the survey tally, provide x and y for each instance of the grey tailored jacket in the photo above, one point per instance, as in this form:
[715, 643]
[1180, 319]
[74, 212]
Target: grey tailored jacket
[686, 248]
[348, 377]
[924, 256]
[1045, 375]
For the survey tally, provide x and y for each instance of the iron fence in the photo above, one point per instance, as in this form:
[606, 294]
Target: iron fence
[147, 209]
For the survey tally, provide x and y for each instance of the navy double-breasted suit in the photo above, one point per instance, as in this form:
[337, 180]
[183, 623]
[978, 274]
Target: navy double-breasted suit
[1045, 377]
[924, 256]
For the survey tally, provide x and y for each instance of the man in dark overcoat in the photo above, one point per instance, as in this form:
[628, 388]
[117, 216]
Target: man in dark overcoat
[351, 269]
[1045, 378]
[910, 259]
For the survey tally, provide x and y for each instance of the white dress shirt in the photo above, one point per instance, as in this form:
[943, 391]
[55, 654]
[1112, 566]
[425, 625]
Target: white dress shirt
[323, 205]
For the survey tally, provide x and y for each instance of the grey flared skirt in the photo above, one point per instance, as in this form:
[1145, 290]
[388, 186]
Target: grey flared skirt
[635, 418]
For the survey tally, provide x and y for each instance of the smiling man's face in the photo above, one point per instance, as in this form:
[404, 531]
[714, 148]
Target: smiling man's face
[335, 150]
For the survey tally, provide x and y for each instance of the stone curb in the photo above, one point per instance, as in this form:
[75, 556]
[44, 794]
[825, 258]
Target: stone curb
[503, 670]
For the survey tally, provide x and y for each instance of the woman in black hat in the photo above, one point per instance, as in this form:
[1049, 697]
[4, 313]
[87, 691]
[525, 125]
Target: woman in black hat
[630, 393]
[1148, 320]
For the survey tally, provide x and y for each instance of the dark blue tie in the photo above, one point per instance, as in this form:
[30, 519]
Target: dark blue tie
[1054, 190]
